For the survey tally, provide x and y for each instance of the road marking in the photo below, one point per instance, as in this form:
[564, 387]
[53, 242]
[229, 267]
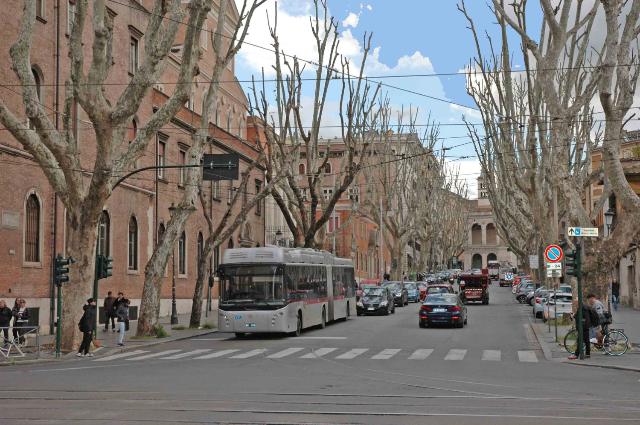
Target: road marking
[248, 354]
[121, 355]
[212, 339]
[187, 354]
[386, 354]
[216, 354]
[318, 353]
[455, 354]
[351, 354]
[492, 355]
[152, 355]
[284, 353]
[527, 356]
[320, 337]
[421, 354]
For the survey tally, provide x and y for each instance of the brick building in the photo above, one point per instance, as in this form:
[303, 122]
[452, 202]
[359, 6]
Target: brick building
[32, 218]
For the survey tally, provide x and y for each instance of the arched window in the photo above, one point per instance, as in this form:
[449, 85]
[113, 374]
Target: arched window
[476, 234]
[200, 246]
[182, 254]
[103, 234]
[476, 261]
[133, 244]
[229, 122]
[491, 234]
[230, 244]
[327, 168]
[301, 169]
[492, 257]
[32, 230]
[38, 80]
[133, 130]
[161, 230]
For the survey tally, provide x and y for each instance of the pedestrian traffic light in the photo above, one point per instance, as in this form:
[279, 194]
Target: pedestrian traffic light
[61, 269]
[571, 266]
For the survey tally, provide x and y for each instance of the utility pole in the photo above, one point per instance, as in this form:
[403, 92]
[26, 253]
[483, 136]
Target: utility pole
[381, 249]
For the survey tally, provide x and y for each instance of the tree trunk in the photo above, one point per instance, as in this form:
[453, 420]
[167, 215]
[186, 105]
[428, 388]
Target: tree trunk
[396, 258]
[196, 305]
[81, 245]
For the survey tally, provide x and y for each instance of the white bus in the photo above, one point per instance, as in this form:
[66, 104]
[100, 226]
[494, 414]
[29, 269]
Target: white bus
[274, 289]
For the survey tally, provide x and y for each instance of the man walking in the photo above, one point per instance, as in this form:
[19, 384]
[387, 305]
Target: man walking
[615, 294]
[87, 325]
[109, 312]
[121, 300]
[123, 319]
[5, 321]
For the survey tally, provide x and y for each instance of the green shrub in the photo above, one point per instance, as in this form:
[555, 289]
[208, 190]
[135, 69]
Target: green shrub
[160, 332]
[208, 325]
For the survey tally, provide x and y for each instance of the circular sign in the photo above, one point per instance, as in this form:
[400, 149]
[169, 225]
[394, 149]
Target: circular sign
[553, 254]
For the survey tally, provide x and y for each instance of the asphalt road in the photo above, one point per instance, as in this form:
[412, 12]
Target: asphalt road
[368, 370]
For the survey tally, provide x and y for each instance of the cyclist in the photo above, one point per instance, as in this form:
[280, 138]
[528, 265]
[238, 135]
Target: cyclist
[586, 325]
[597, 329]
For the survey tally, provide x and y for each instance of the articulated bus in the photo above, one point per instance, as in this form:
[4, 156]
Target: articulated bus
[283, 290]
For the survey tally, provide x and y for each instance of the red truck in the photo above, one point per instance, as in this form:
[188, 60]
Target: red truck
[474, 287]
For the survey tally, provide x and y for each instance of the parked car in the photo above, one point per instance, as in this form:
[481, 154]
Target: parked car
[565, 289]
[375, 300]
[362, 286]
[413, 294]
[557, 305]
[538, 292]
[441, 288]
[399, 292]
[445, 309]
[523, 290]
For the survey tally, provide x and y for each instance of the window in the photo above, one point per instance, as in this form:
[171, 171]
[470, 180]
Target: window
[333, 223]
[183, 160]
[71, 15]
[354, 194]
[133, 54]
[40, 9]
[182, 254]
[32, 230]
[229, 122]
[259, 203]
[230, 244]
[161, 231]
[327, 168]
[230, 190]
[216, 257]
[301, 169]
[103, 234]
[160, 162]
[204, 36]
[37, 80]
[327, 193]
[133, 244]
[216, 189]
[200, 246]
[132, 133]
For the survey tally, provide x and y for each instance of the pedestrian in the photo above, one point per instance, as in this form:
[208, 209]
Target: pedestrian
[20, 320]
[615, 294]
[586, 325]
[109, 312]
[121, 300]
[5, 321]
[123, 320]
[87, 325]
[596, 333]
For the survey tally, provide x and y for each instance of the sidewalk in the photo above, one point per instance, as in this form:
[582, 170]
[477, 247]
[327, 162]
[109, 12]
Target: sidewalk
[626, 319]
[108, 340]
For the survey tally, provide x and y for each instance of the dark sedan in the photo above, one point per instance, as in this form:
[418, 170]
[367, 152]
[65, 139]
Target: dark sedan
[375, 300]
[442, 309]
[400, 294]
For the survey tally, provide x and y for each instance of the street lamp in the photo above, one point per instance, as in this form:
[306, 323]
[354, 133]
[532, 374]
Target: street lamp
[608, 220]
[278, 236]
[174, 310]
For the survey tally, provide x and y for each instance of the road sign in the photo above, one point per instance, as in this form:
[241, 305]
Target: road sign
[533, 261]
[554, 266]
[554, 273]
[553, 254]
[220, 166]
[590, 232]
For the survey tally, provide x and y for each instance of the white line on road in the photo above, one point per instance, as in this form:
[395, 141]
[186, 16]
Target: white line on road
[492, 355]
[351, 354]
[248, 354]
[385, 354]
[527, 356]
[216, 354]
[187, 354]
[121, 355]
[284, 353]
[152, 355]
[320, 337]
[421, 354]
[455, 354]
[318, 353]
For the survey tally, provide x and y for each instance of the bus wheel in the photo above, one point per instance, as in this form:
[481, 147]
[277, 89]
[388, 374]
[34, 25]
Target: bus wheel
[346, 317]
[239, 334]
[323, 323]
[298, 330]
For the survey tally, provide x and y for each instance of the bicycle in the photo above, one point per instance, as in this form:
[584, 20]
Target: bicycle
[614, 341]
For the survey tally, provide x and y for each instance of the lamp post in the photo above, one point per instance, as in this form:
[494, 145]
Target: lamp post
[174, 310]
[608, 220]
[278, 236]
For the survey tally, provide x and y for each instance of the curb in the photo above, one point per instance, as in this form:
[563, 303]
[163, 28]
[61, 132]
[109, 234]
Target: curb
[602, 366]
[543, 344]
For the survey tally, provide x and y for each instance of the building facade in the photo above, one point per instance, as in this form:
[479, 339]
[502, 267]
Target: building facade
[32, 218]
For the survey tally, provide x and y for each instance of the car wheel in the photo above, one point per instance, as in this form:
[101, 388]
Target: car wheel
[422, 324]
[465, 320]
[239, 334]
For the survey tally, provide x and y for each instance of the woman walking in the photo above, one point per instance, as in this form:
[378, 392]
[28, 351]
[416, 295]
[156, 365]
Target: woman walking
[87, 325]
[122, 313]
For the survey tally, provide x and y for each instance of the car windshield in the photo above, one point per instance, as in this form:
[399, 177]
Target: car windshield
[393, 287]
[410, 286]
[252, 284]
[437, 290]
[441, 299]
[374, 292]
[563, 298]
[565, 289]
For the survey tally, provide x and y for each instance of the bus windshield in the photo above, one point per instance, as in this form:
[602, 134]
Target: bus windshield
[251, 285]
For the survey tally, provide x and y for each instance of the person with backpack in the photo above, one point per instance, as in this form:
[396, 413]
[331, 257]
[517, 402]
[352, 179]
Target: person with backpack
[87, 325]
[587, 314]
[597, 332]
[20, 320]
[122, 313]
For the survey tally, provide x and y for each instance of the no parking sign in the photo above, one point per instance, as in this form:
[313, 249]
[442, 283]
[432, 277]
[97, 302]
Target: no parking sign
[553, 254]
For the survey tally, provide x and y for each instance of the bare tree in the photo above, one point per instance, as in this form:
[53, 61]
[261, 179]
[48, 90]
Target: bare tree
[305, 207]
[82, 190]
[154, 270]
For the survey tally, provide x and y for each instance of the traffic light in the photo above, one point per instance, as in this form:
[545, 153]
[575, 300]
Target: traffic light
[571, 262]
[61, 269]
[104, 266]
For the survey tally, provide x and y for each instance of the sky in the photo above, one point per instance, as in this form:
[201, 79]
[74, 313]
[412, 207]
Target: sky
[411, 38]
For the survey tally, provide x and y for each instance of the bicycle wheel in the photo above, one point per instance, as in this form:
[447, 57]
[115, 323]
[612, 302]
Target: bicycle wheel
[615, 343]
[571, 341]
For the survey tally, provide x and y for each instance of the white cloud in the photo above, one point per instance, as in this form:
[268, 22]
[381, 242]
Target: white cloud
[351, 20]
[469, 173]
[467, 112]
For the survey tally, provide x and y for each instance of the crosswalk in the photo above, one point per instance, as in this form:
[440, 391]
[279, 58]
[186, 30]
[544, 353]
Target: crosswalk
[332, 353]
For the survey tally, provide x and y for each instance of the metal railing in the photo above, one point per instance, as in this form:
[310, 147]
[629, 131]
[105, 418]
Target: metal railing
[16, 343]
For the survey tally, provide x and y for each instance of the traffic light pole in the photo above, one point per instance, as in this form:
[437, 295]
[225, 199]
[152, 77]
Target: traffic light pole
[579, 278]
[59, 320]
